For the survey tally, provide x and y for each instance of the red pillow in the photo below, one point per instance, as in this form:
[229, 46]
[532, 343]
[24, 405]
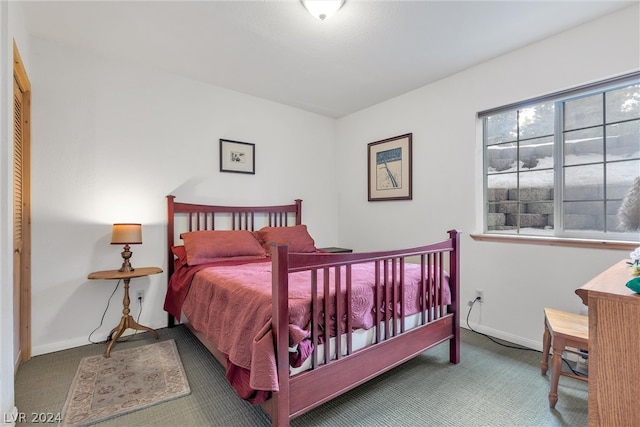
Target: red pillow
[211, 245]
[180, 253]
[296, 236]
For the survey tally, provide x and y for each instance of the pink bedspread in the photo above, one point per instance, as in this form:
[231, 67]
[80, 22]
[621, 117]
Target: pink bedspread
[231, 304]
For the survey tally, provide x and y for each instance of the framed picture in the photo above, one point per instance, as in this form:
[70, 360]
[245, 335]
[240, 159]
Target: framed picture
[236, 156]
[389, 169]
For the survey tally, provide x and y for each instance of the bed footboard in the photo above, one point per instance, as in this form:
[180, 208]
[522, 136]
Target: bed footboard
[346, 368]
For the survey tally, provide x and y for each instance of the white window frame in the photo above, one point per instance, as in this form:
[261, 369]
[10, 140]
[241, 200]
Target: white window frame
[571, 238]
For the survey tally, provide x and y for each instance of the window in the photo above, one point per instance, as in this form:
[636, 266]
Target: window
[566, 165]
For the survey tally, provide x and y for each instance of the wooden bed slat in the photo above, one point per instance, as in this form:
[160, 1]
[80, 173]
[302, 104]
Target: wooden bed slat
[349, 308]
[327, 309]
[378, 297]
[338, 302]
[401, 296]
[315, 313]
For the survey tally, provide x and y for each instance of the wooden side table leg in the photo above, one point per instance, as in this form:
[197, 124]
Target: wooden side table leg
[113, 332]
[135, 325]
[124, 322]
[121, 328]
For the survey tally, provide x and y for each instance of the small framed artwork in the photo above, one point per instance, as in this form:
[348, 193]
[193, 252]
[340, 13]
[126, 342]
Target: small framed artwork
[236, 156]
[390, 169]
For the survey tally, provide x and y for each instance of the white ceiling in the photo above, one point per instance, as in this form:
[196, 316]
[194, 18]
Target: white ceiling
[368, 52]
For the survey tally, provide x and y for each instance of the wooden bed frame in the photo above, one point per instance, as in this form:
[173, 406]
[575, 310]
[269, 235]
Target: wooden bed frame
[393, 344]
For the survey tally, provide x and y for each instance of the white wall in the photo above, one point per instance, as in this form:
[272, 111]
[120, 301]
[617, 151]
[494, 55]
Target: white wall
[110, 141]
[518, 280]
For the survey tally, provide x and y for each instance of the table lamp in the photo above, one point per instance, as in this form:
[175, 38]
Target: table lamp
[126, 234]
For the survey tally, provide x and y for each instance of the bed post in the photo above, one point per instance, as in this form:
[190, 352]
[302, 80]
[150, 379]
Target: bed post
[170, 231]
[280, 328]
[298, 211]
[454, 278]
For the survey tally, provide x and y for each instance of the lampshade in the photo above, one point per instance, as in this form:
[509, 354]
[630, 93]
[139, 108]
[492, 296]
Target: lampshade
[322, 9]
[126, 234]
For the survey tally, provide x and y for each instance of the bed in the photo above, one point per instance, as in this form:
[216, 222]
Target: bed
[295, 326]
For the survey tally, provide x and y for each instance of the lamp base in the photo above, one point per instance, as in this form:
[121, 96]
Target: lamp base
[126, 265]
[126, 268]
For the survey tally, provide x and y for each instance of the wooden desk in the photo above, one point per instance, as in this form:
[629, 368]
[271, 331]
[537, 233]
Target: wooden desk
[614, 348]
[127, 320]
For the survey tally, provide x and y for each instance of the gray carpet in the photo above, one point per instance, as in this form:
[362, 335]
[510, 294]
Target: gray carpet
[492, 386]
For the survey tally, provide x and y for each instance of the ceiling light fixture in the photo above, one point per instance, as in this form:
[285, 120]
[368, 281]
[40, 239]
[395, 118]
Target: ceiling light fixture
[322, 9]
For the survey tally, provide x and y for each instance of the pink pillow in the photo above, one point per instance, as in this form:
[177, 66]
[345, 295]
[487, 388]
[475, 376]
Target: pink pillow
[296, 236]
[180, 253]
[211, 245]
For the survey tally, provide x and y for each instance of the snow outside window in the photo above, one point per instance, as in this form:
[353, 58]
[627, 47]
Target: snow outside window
[566, 165]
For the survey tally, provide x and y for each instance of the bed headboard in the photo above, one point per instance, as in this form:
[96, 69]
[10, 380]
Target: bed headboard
[183, 217]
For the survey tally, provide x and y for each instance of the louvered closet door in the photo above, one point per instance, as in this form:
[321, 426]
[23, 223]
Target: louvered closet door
[18, 193]
[21, 209]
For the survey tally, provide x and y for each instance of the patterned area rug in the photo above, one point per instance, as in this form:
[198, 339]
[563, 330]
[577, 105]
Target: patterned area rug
[129, 380]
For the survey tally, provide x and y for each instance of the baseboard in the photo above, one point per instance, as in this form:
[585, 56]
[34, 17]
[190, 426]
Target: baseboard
[97, 338]
[100, 338]
[64, 345]
[515, 339]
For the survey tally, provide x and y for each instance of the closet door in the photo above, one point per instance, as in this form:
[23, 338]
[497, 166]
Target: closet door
[21, 213]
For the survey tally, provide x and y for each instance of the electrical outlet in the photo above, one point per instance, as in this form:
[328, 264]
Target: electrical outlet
[480, 295]
[140, 295]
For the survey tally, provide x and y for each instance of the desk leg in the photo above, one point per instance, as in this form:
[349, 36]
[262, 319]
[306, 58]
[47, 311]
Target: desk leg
[126, 322]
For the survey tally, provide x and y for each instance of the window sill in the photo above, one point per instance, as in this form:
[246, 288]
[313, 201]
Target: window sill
[555, 241]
